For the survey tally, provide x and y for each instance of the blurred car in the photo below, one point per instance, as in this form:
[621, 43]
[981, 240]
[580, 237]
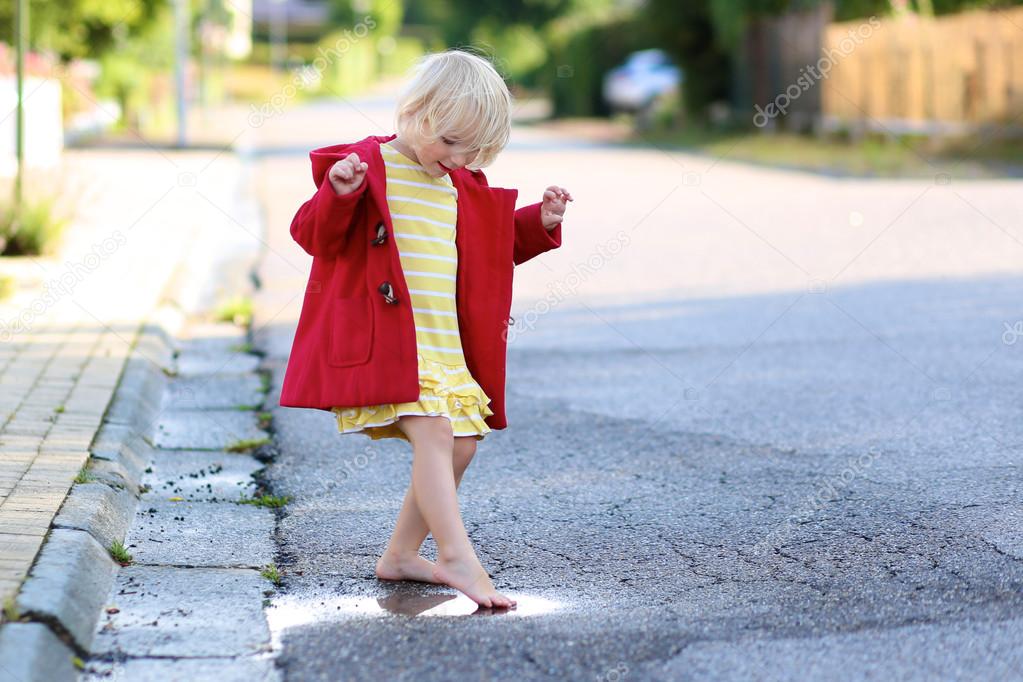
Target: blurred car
[644, 78]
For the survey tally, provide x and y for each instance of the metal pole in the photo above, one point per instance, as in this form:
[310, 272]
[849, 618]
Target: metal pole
[21, 28]
[180, 63]
[279, 34]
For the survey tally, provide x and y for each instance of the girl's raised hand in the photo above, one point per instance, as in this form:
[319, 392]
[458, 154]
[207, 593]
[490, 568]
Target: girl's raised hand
[346, 175]
[552, 210]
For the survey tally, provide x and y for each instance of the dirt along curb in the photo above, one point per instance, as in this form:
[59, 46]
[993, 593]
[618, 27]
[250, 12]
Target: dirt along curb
[154, 531]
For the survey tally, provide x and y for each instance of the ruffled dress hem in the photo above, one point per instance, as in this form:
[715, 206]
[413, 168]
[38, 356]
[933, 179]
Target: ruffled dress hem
[445, 391]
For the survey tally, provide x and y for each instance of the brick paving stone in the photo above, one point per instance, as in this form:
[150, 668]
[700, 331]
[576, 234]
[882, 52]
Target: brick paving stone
[18, 552]
[25, 522]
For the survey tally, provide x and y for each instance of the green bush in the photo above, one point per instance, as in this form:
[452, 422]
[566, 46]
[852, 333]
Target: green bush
[236, 309]
[137, 73]
[518, 51]
[32, 230]
[398, 54]
[351, 64]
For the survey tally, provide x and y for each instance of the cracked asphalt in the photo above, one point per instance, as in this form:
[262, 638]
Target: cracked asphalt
[724, 460]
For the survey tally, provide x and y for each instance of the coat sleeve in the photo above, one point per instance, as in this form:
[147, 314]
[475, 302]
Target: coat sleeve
[323, 223]
[531, 237]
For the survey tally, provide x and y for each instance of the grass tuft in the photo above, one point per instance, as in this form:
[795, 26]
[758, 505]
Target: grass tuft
[11, 612]
[271, 573]
[34, 229]
[119, 553]
[237, 309]
[264, 500]
[247, 445]
[84, 475]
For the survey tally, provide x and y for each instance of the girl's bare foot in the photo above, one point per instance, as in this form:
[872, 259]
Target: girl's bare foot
[405, 567]
[469, 577]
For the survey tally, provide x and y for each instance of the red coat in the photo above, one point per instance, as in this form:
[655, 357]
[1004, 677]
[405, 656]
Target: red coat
[352, 346]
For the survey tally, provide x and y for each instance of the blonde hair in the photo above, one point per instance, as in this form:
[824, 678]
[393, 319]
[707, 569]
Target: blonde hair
[457, 94]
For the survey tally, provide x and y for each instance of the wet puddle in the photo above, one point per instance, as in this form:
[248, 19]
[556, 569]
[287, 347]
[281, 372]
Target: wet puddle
[289, 612]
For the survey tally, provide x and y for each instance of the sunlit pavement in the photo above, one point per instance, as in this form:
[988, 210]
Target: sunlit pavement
[762, 424]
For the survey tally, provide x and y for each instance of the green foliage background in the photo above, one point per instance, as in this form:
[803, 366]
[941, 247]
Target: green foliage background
[564, 46]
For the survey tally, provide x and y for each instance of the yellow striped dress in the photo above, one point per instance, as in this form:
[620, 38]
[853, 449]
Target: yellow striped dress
[423, 211]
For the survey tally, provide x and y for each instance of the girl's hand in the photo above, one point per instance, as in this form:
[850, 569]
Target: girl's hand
[552, 210]
[346, 175]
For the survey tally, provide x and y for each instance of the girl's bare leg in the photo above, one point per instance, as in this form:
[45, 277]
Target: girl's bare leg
[433, 481]
[401, 560]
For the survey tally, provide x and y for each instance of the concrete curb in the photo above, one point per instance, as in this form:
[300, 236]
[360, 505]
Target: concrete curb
[102, 511]
[29, 651]
[73, 574]
[67, 587]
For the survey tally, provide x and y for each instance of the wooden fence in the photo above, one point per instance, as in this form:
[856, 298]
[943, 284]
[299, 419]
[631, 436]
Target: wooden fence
[951, 74]
[771, 57]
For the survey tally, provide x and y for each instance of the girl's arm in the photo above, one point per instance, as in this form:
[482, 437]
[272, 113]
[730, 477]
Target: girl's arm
[322, 224]
[531, 237]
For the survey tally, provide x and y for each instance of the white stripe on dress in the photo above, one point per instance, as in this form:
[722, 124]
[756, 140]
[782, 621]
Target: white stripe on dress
[442, 348]
[447, 332]
[455, 388]
[420, 219]
[430, 256]
[427, 292]
[456, 370]
[411, 235]
[397, 197]
[402, 414]
[442, 313]
[423, 273]
[446, 189]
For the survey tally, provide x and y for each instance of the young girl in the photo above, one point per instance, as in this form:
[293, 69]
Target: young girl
[404, 323]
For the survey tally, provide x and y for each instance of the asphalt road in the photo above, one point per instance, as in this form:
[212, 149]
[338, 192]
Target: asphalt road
[763, 425]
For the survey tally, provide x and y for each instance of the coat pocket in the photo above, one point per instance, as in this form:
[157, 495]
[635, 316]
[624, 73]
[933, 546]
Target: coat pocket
[351, 331]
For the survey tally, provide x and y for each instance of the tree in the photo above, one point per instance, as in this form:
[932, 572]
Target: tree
[687, 31]
[387, 14]
[459, 20]
[81, 28]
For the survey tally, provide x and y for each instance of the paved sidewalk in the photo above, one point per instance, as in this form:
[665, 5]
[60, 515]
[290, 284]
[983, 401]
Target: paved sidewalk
[65, 335]
[56, 385]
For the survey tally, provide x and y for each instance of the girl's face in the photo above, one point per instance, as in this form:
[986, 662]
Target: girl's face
[444, 155]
